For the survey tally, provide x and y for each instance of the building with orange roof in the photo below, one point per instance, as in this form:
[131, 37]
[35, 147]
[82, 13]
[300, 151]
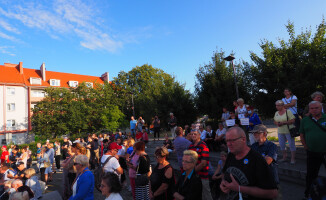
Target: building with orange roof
[21, 88]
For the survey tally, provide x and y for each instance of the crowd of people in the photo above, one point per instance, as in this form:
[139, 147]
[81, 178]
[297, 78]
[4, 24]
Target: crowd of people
[247, 168]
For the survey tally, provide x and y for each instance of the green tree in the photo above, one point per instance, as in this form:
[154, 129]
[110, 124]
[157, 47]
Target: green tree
[155, 93]
[298, 63]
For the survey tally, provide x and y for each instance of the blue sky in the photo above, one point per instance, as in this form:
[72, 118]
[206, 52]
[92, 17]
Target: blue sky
[92, 37]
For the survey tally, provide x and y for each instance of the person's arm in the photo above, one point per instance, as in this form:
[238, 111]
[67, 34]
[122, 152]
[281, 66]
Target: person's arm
[291, 104]
[164, 186]
[216, 172]
[303, 141]
[201, 165]
[251, 190]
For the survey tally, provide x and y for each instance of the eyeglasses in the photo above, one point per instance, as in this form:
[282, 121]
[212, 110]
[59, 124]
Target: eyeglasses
[186, 161]
[232, 140]
[158, 156]
[76, 164]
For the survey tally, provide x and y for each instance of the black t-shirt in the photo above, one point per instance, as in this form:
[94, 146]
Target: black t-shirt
[158, 178]
[144, 164]
[252, 170]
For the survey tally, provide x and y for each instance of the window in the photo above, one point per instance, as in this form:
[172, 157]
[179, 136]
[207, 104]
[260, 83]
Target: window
[38, 93]
[73, 83]
[10, 107]
[11, 123]
[10, 91]
[54, 82]
[35, 81]
[89, 84]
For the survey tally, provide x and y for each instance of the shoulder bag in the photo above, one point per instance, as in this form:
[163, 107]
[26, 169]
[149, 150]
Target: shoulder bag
[293, 131]
[141, 179]
[322, 128]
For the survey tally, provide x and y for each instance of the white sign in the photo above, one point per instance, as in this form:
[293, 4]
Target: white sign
[244, 121]
[230, 122]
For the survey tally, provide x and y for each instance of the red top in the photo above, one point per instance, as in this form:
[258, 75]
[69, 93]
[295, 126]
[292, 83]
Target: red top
[3, 157]
[139, 135]
[145, 137]
[203, 154]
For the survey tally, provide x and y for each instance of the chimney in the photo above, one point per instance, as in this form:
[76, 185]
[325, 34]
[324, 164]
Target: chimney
[21, 67]
[105, 76]
[43, 71]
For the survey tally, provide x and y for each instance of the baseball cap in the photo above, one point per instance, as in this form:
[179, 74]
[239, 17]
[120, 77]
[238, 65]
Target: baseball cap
[114, 145]
[259, 128]
[4, 146]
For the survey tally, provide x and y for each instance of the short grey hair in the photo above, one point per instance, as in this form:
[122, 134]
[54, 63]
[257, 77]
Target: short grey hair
[313, 95]
[82, 160]
[240, 99]
[17, 182]
[192, 154]
[279, 102]
[315, 102]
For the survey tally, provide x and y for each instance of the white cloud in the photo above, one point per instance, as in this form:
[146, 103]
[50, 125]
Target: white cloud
[8, 37]
[4, 50]
[64, 18]
[8, 27]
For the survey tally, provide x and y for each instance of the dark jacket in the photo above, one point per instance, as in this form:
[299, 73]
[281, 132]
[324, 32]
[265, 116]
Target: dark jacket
[192, 188]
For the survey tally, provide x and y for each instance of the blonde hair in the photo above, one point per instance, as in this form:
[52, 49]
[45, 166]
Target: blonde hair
[29, 172]
[82, 160]
[280, 102]
[192, 154]
[130, 142]
[50, 145]
[161, 151]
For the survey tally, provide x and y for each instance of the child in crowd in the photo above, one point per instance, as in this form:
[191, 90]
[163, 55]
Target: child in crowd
[217, 177]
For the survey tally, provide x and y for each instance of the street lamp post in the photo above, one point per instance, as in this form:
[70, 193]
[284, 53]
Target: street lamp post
[231, 58]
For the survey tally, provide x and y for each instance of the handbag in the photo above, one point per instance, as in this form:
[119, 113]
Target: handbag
[293, 131]
[47, 164]
[141, 179]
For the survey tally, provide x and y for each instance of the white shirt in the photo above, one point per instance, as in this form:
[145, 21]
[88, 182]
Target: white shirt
[112, 165]
[122, 151]
[221, 132]
[74, 187]
[9, 171]
[203, 135]
[294, 108]
[114, 196]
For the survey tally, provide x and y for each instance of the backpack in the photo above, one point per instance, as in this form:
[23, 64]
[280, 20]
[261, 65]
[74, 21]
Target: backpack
[99, 173]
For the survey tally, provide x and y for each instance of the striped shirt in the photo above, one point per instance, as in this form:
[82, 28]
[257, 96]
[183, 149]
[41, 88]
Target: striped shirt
[203, 154]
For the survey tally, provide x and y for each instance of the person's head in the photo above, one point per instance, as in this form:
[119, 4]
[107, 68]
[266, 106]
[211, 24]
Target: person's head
[24, 149]
[223, 155]
[29, 172]
[130, 142]
[16, 184]
[114, 148]
[208, 128]
[156, 117]
[260, 133]
[161, 153]
[179, 131]
[201, 128]
[110, 184]
[193, 126]
[166, 136]
[81, 162]
[279, 105]
[50, 145]
[186, 126]
[100, 135]
[250, 110]
[140, 118]
[220, 126]
[65, 139]
[90, 139]
[236, 140]
[189, 159]
[315, 108]
[20, 166]
[105, 142]
[139, 147]
[195, 136]
[4, 148]
[235, 103]
[287, 92]
[171, 114]
[119, 141]
[8, 183]
[317, 96]
[15, 150]
[132, 118]
[224, 109]
[232, 114]
[240, 101]
[78, 149]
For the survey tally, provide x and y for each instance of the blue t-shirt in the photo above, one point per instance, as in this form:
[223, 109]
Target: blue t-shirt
[133, 124]
[130, 150]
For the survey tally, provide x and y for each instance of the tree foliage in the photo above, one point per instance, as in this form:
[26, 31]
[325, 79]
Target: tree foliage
[77, 110]
[155, 93]
[215, 87]
[298, 63]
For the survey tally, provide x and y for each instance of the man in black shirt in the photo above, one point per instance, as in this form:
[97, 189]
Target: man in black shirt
[64, 148]
[246, 171]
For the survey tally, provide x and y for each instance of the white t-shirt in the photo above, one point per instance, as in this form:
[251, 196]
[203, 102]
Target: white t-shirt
[287, 101]
[9, 171]
[241, 111]
[221, 132]
[114, 196]
[203, 135]
[122, 151]
[112, 165]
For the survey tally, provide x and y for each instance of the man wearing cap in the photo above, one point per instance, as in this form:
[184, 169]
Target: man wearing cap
[266, 148]
[4, 155]
[113, 164]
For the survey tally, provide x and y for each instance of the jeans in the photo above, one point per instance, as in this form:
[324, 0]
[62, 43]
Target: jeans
[206, 192]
